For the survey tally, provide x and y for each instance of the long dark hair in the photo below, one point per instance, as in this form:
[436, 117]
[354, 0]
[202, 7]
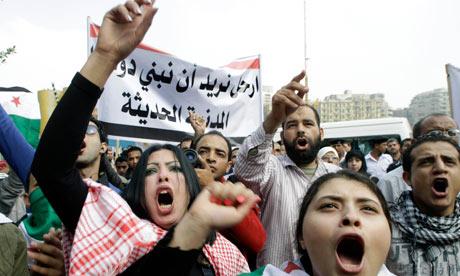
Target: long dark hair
[135, 191]
[311, 193]
[357, 154]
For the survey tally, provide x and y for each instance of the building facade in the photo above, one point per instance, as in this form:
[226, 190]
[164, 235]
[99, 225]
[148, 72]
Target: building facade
[349, 106]
[425, 103]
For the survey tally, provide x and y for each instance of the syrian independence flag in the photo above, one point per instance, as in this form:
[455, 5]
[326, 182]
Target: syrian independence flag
[23, 108]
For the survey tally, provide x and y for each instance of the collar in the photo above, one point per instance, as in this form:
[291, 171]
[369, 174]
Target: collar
[287, 162]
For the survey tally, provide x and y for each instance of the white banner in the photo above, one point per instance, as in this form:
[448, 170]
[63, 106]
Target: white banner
[150, 93]
[453, 79]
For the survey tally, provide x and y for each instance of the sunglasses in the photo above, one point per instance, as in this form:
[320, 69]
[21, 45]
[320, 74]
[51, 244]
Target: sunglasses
[91, 130]
[453, 132]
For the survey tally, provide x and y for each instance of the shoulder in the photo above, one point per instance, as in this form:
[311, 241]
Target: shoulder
[387, 157]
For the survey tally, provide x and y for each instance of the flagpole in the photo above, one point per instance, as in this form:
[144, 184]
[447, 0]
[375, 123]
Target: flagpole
[449, 89]
[305, 44]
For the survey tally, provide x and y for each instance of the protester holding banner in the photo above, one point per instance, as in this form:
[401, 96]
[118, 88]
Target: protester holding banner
[96, 218]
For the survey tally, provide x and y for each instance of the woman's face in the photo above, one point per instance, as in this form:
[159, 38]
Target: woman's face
[345, 230]
[330, 158]
[166, 193]
[354, 164]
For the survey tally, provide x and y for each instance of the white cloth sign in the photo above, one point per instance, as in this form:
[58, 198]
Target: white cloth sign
[453, 77]
[150, 94]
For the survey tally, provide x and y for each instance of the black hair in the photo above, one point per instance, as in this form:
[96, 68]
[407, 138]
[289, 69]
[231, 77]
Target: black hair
[100, 129]
[135, 192]
[120, 159]
[357, 154]
[133, 148]
[377, 141]
[218, 133]
[311, 193]
[185, 139]
[317, 117]
[407, 158]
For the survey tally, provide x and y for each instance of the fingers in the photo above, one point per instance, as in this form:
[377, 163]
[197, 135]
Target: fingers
[204, 164]
[53, 237]
[288, 98]
[149, 12]
[46, 261]
[45, 270]
[205, 177]
[48, 249]
[123, 14]
[299, 77]
[133, 7]
[236, 193]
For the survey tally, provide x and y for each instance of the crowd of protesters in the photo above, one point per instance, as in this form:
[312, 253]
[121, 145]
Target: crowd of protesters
[204, 206]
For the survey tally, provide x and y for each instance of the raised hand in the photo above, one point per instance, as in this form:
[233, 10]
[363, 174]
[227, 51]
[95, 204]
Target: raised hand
[198, 123]
[122, 29]
[218, 206]
[205, 175]
[285, 102]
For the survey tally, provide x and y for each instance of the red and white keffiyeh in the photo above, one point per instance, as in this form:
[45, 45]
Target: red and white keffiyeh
[110, 237]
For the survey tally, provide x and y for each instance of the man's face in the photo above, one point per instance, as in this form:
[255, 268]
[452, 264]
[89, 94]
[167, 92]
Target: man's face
[91, 147]
[393, 147]
[406, 144]
[214, 150]
[110, 154]
[442, 123]
[346, 146]
[381, 148]
[133, 158]
[234, 155]
[435, 177]
[122, 167]
[339, 147]
[302, 136]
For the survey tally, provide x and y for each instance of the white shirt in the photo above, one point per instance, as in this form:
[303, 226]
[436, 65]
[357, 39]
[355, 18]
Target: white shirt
[378, 168]
[392, 185]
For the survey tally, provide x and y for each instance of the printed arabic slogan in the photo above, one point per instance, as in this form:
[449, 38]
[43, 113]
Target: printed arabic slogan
[150, 94]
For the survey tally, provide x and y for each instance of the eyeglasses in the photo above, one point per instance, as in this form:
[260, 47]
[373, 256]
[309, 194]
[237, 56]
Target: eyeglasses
[91, 130]
[453, 132]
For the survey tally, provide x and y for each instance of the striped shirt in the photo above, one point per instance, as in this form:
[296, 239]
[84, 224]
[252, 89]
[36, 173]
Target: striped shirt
[282, 186]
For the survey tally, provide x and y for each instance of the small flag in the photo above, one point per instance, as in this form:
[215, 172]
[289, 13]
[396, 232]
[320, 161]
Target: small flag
[23, 108]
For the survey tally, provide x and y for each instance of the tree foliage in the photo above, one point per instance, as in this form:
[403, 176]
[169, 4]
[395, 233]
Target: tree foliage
[5, 53]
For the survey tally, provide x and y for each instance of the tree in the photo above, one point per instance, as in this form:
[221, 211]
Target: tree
[4, 54]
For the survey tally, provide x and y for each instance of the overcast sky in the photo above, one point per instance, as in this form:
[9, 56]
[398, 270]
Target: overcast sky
[395, 47]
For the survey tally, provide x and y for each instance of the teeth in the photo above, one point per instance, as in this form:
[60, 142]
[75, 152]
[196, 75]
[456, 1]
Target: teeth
[163, 192]
[165, 206]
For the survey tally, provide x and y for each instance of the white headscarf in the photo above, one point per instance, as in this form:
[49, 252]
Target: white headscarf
[325, 150]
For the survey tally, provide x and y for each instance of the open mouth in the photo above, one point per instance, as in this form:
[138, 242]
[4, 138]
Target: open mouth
[165, 199]
[440, 186]
[302, 142]
[350, 252]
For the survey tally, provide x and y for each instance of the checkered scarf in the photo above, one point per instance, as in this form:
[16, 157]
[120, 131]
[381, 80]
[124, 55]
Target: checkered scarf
[426, 229]
[110, 237]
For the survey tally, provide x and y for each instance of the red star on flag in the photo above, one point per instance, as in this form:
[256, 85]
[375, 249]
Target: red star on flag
[16, 101]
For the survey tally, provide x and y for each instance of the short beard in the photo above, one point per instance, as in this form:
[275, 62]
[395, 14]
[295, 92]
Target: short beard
[305, 157]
